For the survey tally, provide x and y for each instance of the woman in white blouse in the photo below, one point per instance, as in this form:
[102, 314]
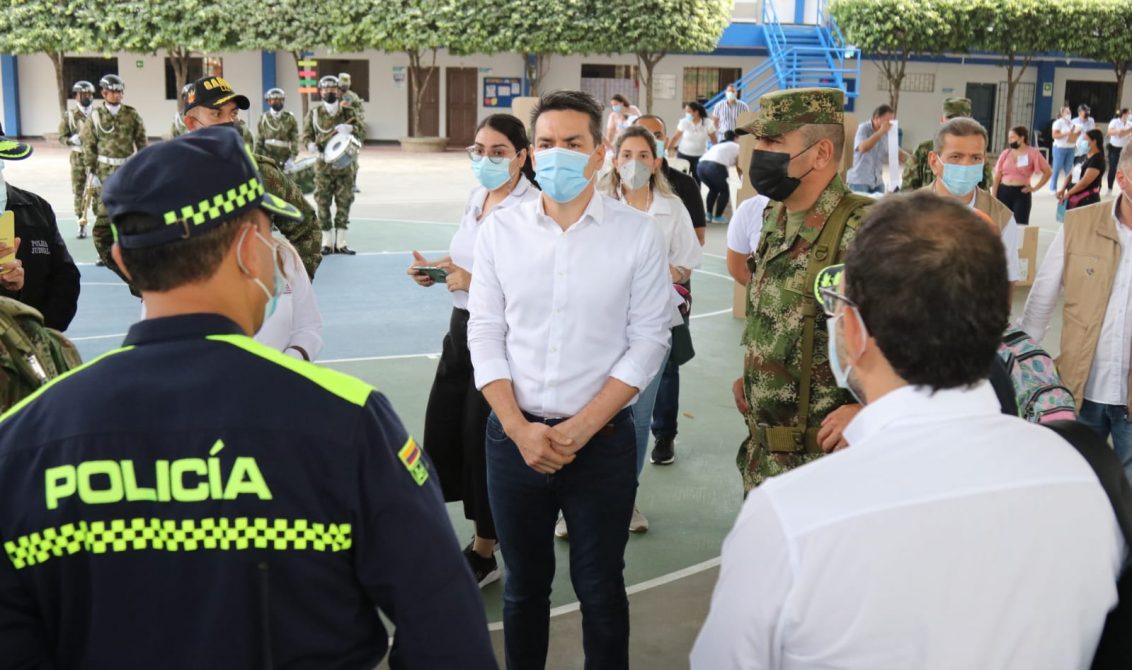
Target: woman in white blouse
[456, 418]
[692, 135]
[638, 180]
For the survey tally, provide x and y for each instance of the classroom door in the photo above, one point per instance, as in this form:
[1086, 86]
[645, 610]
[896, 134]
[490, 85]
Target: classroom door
[460, 117]
[982, 98]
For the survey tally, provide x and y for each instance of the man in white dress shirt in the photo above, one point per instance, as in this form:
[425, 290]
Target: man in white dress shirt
[947, 535]
[570, 307]
[1090, 261]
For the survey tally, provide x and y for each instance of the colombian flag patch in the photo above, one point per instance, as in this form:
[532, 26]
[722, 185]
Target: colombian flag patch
[410, 456]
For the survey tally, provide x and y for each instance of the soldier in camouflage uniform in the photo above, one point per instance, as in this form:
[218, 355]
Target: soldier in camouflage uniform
[353, 101]
[178, 128]
[278, 131]
[213, 102]
[808, 225]
[917, 170]
[70, 136]
[113, 134]
[245, 132]
[332, 184]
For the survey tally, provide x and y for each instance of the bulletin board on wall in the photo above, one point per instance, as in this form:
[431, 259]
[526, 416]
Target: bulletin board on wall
[500, 91]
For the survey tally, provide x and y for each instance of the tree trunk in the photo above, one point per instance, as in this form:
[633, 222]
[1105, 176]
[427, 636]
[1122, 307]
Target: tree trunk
[419, 78]
[534, 79]
[1121, 71]
[646, 62]
[57, 60]
[1012, 80]
[304, 98]
[179, 58]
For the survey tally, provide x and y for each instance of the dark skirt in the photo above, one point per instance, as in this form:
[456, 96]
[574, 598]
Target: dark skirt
[455, 428]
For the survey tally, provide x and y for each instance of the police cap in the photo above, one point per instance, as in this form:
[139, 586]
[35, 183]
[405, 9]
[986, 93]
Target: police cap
[214, 92]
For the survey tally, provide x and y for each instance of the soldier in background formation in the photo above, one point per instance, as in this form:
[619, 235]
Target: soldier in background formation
[70, 129]
[332, 184]
[354, 101]
[114, 133]
[179, 128]
[917, 169]
[278, 131]
[792, 402]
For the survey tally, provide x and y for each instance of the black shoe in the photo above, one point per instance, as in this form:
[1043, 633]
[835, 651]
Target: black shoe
[664, 452]
[326, 251]
[345, 250]
[485, 570]
[98, 263]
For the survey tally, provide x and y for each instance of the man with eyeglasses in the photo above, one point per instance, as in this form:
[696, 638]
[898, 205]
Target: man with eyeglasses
[948, 535]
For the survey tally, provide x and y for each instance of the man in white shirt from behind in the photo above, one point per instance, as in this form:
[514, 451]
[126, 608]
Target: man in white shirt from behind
[570, 311]
[948, 535]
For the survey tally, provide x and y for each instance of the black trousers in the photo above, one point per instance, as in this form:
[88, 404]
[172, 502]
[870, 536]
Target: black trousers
[693, 163]
[456, 428]
[1018, 202]
[1113, 159]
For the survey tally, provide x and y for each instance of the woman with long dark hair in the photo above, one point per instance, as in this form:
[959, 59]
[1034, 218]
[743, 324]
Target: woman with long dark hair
[1083, 186]
[456, 418]
[1014, 174]
[692, 135]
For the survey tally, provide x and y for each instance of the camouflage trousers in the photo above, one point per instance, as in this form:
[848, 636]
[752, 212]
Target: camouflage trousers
[278, 154]
[337, 187]
[78, 182]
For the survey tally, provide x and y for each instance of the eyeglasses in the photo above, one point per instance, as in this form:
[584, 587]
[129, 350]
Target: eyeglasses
[829, 300]
[477, 155]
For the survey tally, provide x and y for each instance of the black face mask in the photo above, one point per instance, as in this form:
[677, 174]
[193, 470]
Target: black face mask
[330, 98]
[85, 102]
[277, 106]
[1014, 145]
[770, 173]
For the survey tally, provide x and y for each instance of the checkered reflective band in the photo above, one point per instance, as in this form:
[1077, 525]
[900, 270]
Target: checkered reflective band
[221, 203]
[210, 534]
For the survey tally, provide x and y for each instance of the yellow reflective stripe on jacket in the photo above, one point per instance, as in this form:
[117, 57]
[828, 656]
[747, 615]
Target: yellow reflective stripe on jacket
[21, 404]
[223, 534]
[344, 386]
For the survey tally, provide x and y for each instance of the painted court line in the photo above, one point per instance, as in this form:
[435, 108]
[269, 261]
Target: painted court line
[96, 337]
[635, 588]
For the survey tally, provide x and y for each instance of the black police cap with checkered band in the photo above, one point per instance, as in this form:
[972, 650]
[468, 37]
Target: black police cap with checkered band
[189, 185]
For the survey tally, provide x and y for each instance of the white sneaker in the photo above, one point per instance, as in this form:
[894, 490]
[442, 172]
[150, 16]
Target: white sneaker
[638, 524]
[560, 528]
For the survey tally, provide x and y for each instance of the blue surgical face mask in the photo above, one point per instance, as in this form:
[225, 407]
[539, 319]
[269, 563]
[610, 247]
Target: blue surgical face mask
[279, 279]
[617, 109]
[840, 373]
[491, 175]
[962, 179]
[688, 117]
[660, 148]
[561, 173]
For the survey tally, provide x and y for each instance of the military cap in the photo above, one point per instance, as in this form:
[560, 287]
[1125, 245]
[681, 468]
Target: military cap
[111, 82]
[83, 86]
[213, 92]
[274, 93]
[189, 185]
[329, 81]
[12, 149]
[953, 107]
[344, 79]
[783, 111]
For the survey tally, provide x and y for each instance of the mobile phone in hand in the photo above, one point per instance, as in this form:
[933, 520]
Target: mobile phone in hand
[438, 275]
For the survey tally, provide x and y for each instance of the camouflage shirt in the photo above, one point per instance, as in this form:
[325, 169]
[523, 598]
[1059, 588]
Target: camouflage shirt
[112, 136]
[305, 235]
[918, 173]
[320, 125]
[282, 127]
[773, 361]
[71, 125]
[245, 133]
[354, 102]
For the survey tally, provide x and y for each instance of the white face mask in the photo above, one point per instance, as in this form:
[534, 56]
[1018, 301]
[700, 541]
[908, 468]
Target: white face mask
[634, 175]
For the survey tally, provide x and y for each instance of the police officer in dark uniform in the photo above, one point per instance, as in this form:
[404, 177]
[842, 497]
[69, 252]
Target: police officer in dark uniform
[43, 275]
[197, 500]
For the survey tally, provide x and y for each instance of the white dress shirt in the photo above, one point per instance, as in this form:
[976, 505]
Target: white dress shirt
[297, 320]
[1066, 127]
[463, 245]
[728, 113]
[558, 312]
[724, 153]
[1108, 376]
[949, 536]
[1117, 124]
[746, 225]
[675, 226]
[695, 136]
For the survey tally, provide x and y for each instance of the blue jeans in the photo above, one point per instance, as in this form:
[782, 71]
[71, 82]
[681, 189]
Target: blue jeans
[715, 175]
[1062, 160]
[595, 494]
[865, 188]
[642, 417]
[1111, 420]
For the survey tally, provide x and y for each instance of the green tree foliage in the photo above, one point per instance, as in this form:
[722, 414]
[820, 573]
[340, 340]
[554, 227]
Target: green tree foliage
[286, 25]
[895, 30]
[54, 27]
[1100, 32]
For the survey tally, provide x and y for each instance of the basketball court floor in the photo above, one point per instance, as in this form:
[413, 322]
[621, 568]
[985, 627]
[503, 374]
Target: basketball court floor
[380, 326]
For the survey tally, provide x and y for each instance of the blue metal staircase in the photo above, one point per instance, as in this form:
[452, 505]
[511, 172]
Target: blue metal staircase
[800, 55]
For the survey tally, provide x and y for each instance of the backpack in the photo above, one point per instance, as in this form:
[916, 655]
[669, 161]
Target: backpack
[31, 354]
[1039, 395]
